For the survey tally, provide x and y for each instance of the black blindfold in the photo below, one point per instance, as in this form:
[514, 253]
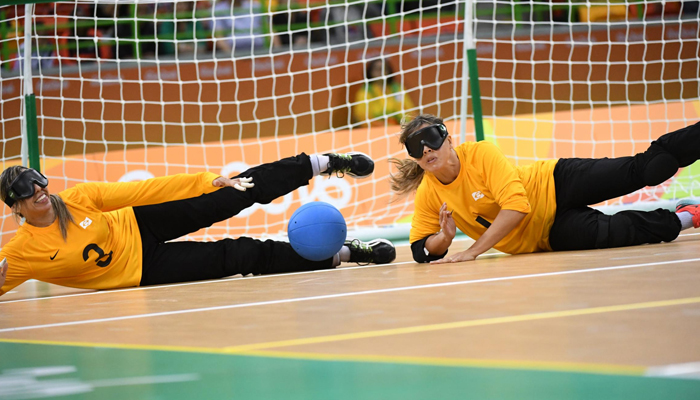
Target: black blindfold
[432, 136]
[23, 185]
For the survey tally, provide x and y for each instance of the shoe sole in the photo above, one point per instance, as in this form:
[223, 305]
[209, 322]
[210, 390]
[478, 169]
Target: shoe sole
[686, 202]
[385, 241]
[373, 242]
[352, 153]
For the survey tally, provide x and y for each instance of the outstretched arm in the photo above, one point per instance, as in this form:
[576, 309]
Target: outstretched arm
[112, 196]
[237, 183]
[505, 222]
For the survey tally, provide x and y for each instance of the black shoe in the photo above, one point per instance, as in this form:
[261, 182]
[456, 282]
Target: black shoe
[357, 165]
[377, 251]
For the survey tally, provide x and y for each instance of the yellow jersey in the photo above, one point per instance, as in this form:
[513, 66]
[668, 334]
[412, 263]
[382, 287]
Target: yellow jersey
[486, 184]
[372, 102]
[103, 247]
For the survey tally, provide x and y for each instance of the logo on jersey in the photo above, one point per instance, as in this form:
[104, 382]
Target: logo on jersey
[86, 223]
[477, 195]
[54, 256]
[103, 259]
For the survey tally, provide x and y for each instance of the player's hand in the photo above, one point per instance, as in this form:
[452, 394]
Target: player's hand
[447, 223]
[457, 257]
[241, 184]
[3, 271]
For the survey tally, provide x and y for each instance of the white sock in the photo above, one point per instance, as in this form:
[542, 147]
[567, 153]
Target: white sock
[344, 254]
[686, 220]
[319, 163]
[336, 260]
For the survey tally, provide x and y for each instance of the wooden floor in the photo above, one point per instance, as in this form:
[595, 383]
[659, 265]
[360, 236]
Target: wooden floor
[623, 311]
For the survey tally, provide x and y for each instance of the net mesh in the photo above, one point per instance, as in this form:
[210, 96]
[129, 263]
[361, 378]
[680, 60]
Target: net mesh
[127, 91]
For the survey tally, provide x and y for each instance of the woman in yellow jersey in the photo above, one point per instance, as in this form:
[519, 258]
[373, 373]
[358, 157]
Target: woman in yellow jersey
[113, 235]
[381, 100]
[540, 207]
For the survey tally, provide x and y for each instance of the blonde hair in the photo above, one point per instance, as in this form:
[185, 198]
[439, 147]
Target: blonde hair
[410, 174]
[59, 207]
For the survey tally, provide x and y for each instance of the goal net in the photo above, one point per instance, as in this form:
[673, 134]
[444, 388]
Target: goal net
[130, 90]
[590, 79]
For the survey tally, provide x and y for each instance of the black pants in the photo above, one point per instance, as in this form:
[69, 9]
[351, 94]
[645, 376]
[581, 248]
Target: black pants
[582, 182]
[190, 261]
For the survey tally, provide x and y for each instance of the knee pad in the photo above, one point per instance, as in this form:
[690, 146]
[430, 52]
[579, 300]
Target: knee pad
[683, 144]
[658, 166]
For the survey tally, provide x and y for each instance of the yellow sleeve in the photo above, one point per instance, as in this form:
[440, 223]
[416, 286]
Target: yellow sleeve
[359, 109]
[372, 103]
[407, 103]
[426, 218]
[501, 177]
[18, 271]
[113, 196]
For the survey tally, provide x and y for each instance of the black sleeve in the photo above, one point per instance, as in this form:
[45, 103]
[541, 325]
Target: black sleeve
[418, 249]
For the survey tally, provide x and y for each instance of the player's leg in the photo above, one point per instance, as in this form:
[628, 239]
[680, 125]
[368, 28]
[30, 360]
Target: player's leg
[581, 182]
[683, 144]
[192, 261]
[688, 211]
[585, 228]
[171, 220]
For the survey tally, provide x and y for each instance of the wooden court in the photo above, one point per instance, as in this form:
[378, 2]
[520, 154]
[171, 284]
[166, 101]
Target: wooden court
[621, 323]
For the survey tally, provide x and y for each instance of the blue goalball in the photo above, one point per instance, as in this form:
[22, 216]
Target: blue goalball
[317, 231]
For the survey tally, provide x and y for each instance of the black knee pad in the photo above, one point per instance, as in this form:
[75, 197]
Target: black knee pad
[683, 144]
[657, 165]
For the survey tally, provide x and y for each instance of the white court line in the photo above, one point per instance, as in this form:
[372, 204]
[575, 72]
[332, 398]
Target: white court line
[338, 295]
[689, 370]
[241, 278]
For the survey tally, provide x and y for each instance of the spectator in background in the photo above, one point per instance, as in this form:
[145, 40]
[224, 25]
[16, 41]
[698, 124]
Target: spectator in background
[155, 28]
[95, 41]
[123, 29]
[189, 30]
[146, 28]
[691, 8]
[52, 35]
[347, 23]
[45, 56]
[381, 99]
[46, 50]
[238, 26]
[291, 25]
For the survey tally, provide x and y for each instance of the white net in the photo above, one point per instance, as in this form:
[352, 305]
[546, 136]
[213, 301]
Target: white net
[590, 79]
[127, 90]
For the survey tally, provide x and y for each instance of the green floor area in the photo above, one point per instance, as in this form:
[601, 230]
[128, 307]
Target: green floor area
[43, 371]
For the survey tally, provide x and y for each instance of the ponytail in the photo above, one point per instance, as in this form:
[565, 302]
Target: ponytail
[408, 178]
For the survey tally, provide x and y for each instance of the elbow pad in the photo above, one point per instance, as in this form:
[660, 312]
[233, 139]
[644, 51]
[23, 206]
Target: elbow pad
[420, 253]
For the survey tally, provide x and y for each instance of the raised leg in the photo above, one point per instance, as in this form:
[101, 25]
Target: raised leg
[168, 221]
